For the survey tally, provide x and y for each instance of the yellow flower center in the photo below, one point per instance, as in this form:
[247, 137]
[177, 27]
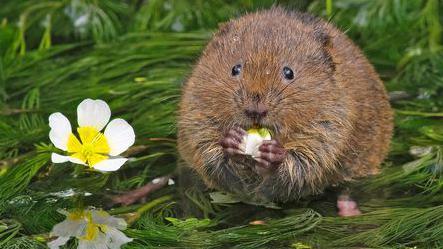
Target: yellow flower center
[76, 215]
[93, 147]
[92, 230]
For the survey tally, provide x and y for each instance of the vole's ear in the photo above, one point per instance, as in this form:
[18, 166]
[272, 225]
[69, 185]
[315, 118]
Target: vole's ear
[224, 28]
[326, 41]
[219, 37]
[322, 37]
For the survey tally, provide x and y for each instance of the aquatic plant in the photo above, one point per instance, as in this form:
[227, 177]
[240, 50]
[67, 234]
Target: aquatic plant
[135, 55]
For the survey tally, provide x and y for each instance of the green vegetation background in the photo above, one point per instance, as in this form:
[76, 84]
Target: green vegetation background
[135, 54]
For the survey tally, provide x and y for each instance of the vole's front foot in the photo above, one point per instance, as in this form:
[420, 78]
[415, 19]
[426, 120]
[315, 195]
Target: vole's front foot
[232, 140]
[271, 155]
[347, 206]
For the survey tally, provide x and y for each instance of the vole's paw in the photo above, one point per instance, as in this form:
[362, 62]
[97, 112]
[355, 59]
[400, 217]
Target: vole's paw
[271, 155]
[232, 141]
[347, 206]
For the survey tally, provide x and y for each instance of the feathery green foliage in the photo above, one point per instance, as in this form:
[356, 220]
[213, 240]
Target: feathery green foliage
[136, 54]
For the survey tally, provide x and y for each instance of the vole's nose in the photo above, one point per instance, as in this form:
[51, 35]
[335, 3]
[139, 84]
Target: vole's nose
[256, 111]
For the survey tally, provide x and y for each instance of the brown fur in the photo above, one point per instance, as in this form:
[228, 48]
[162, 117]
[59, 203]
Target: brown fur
[333, 118]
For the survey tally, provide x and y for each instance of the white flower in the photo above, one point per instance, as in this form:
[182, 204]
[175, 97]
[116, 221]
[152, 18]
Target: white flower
[253, 140]
[95, 149]
[93, 228]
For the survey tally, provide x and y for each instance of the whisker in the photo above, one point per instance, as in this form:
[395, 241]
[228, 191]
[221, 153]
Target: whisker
[287, 85]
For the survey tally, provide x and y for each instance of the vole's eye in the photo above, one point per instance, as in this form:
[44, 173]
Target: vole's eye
[236, 70]
[288, 73]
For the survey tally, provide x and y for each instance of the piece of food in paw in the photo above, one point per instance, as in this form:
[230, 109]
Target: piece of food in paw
[253, 140]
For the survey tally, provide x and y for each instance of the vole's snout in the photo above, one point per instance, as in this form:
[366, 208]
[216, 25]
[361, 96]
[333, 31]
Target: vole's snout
[256, 111]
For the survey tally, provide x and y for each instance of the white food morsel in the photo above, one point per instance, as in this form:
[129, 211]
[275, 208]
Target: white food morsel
[253, 140]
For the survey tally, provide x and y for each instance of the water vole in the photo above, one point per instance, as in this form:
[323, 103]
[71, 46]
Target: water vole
[302, 79]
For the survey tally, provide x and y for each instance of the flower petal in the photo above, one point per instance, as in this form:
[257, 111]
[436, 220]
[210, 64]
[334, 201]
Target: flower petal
[99, 242]
[57, 158]
[95, 113]
[76, 160]
[55, 244]
[60, 130]
[110, 164]
[120, 136]
[68, 228]
[116, 238]
[102, 217]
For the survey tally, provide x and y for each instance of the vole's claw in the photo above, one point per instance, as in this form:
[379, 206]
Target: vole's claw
[272, 151]
[232, 140]
[239, 130]
[271, 154]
